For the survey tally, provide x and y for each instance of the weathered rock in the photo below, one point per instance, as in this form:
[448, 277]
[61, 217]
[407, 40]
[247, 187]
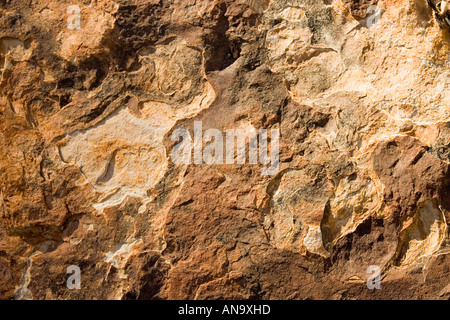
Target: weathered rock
[359, 91]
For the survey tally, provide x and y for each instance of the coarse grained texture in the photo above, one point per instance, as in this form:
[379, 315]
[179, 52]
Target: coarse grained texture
[359, 91]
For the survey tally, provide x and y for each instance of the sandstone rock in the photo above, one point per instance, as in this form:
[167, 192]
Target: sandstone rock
[92, 92]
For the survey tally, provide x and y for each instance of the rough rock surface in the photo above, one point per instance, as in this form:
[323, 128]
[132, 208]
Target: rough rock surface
[362, 101]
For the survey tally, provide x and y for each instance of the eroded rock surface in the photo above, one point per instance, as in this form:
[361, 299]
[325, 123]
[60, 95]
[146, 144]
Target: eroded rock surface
[359, 91]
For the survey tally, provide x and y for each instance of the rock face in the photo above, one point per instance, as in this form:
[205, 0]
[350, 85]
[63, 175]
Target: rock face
[93, 92]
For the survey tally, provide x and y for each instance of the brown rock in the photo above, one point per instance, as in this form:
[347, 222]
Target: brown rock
[87, 177]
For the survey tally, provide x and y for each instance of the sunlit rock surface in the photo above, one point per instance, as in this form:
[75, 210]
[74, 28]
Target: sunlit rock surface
[360, 91]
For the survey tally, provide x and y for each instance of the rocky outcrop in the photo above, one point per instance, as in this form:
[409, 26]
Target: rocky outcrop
[92, 94]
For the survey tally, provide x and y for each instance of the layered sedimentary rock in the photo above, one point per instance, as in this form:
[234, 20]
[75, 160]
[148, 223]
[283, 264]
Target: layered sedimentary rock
[92, 92]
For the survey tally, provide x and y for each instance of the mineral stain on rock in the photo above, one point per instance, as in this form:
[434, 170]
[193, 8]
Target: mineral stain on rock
[87, 178]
